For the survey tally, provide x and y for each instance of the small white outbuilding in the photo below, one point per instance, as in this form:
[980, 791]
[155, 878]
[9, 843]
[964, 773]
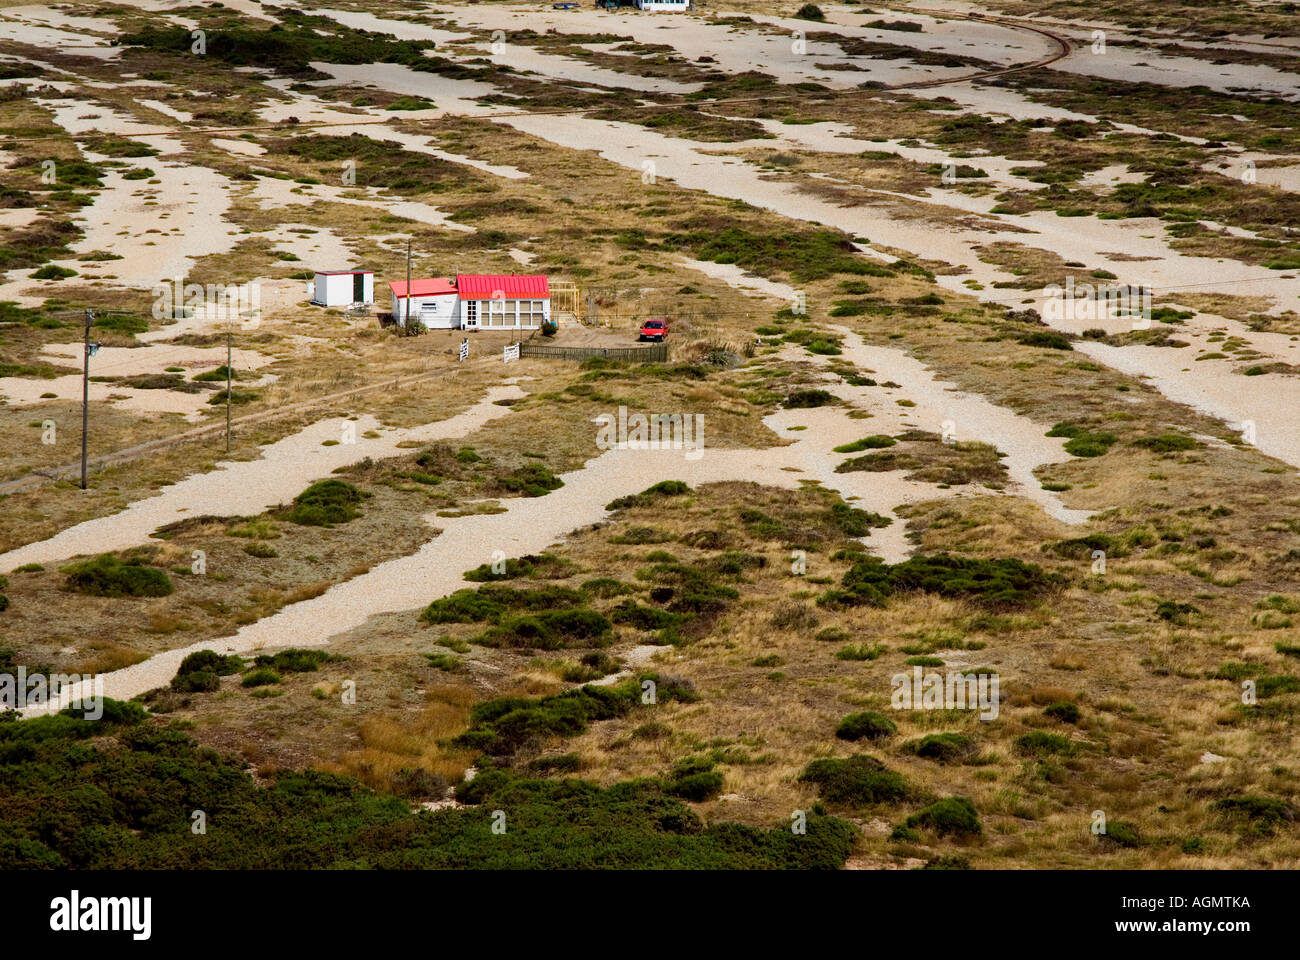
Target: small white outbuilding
[342, 288]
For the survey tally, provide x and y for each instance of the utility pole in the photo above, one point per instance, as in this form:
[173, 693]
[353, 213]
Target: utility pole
[229, 377]
[85, 395]
[406, 320]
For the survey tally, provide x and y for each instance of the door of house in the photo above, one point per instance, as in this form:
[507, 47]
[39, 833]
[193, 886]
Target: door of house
[358, 287]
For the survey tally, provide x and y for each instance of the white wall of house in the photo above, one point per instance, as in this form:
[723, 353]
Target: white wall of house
[339, 290]
[668, 6]
[441, 312]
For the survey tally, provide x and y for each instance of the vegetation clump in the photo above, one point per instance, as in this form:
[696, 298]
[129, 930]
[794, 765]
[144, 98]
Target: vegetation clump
[201, 672]
[942, 747]
[107, 576]
[865, 726]
[664, 488]
[325, 503]
[1005, 582]
[951, 815]
[855, 781]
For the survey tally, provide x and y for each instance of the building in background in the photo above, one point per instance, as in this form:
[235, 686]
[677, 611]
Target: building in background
[475, 301]
[342, 288]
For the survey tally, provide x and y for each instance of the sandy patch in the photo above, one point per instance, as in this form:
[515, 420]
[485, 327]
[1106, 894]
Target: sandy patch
[243, 487]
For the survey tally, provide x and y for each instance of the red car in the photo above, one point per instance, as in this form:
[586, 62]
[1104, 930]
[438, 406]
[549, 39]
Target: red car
[655, 328]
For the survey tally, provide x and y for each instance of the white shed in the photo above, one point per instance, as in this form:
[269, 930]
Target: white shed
[666, 6]
[341, 288]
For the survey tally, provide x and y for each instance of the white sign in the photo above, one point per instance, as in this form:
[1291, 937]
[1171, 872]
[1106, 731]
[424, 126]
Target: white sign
[464, 350]
[511, 352]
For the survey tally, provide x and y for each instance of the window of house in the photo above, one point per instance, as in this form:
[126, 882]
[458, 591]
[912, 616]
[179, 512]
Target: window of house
[531, 313]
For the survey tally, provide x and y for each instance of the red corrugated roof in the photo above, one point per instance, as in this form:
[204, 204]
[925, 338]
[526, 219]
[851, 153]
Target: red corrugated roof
[510, 287]
[431, 287]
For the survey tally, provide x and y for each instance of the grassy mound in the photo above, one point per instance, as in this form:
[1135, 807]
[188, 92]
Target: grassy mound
[107, 576]
[325, 503]
[856, 781]
[1005, 582]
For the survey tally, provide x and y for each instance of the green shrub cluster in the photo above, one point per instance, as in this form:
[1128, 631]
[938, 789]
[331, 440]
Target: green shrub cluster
[201, 672]
[942, 747]
[532, 480]
[122, 801]
[951, 815]
[325, 503]
[1005, 582]
[695, 779]
[865, 726]
[107, 576]
[549, 630]
[1081, 442]
[855, 781]
[664, 488]
[492, 601]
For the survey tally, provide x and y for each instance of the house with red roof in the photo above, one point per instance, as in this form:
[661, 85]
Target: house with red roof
[475, 302]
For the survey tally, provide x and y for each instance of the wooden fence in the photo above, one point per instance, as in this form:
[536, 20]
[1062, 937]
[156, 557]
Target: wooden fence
[651, 353]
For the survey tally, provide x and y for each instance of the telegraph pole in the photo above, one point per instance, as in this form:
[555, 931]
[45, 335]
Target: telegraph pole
[406, 320]
[85, 395]
[229, 377]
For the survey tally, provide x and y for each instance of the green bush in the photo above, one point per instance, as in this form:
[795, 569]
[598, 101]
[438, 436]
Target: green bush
[804, 399]
[532, 480]
[1259, 814]
[1272, 684]
[196, 681]
[202, 671]
[951, 815]
[857, 780]
[107, 576]
[1121, 833]
[1047, 339]
[859, 651]
[664, 488]
[865, 726]
[1063, 710]
[260, 677]
[694, 779]
[549, 630]
[294, 660]
[874, 442]
[1040, 743]
[810, 12]
[492, 601]
[632, 614]
[1167, 443]
[325, 503]
[942, 747]
[1005, 582]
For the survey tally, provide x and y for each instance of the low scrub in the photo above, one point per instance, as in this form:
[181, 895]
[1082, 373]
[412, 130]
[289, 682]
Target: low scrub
[855, 781]
[326, 503]
[951, 815]
[1000, 583]
[865, 726]
[942, 747]
[107, 576]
